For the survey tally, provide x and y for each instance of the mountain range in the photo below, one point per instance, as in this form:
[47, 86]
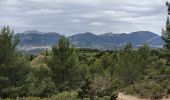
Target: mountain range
[35, 41]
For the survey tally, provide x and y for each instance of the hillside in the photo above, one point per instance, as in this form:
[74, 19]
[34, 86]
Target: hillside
[66, 72]
[34, 41]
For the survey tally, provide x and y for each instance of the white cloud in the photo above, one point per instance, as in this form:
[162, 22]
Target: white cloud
[75, 16]
[75, 21]
[13, 22]
[43, 12]
[97, 24]
[10, 2]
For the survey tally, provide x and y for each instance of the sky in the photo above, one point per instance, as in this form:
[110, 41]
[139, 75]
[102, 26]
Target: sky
[70, 17]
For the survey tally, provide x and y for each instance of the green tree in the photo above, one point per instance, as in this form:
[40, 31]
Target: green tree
[166, 37]
[13, 66]
[144, 53]
[106, 61]
[166, 34]
[39, 82]
[8, 44]
[63, 63]
[128, 65]
[86, 90]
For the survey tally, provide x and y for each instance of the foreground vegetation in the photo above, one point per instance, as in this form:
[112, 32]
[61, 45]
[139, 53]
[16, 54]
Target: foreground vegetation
[67, 73]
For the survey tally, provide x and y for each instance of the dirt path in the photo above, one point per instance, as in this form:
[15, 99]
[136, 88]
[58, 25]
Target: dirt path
[122, 96]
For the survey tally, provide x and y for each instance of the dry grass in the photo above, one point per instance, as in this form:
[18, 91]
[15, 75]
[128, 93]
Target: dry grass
[122, 96]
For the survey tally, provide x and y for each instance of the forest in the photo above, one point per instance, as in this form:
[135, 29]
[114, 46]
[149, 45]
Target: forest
[67, 73]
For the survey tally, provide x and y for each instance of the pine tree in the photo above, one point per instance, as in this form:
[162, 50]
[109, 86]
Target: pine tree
[143, 53]
[7, 44]
[166, 34]
[13, 67]
[128, 66]
[62, 63]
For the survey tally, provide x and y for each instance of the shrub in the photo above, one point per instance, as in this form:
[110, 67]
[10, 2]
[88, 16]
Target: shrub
[71, 95]
[146, 89]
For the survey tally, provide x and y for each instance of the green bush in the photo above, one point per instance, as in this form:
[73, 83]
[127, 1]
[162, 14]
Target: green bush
[72, 95]
[39, 82]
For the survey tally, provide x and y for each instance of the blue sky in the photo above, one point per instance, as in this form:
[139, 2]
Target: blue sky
[77, 16]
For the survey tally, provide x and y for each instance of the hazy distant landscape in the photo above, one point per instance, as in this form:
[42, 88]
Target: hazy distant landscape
[84, 50]
[34, 41]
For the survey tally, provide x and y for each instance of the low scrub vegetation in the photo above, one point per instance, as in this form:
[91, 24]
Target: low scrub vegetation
[67, 73]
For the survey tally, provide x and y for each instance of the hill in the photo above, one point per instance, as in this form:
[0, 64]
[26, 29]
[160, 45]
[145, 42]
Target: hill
[34, 41]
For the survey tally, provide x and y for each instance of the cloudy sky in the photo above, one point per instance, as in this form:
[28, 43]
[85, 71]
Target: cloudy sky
[77, 16]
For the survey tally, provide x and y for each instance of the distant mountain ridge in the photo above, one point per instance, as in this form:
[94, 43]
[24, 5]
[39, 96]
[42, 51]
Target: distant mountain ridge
[33, 40]
[38, 39]
[114, 41]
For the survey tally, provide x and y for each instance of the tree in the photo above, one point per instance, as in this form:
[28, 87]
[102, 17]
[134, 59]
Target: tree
[86, 90]
[13, 66]
[106, 61]
[128, 65]
[39, 82]
[166, 34]
[8, 44]
[63, 64]
[144, 53]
